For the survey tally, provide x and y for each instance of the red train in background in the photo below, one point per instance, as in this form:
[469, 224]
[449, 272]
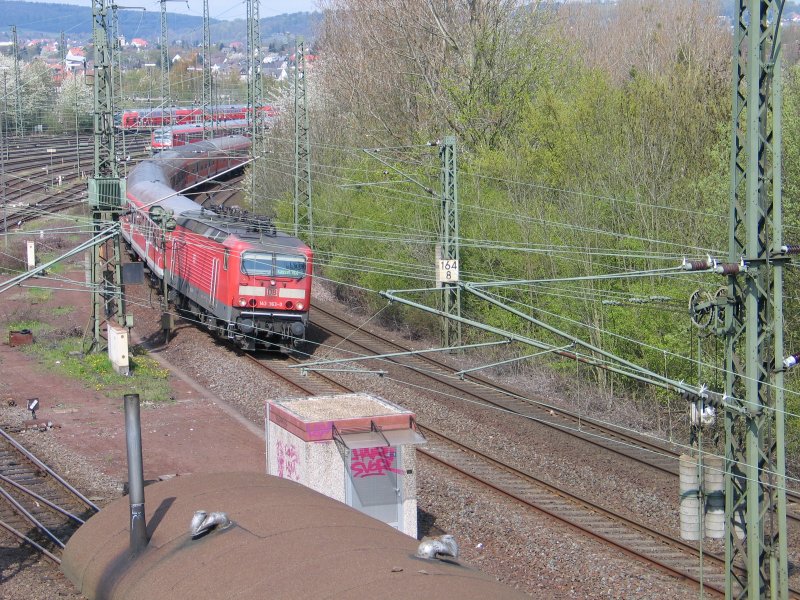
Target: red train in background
[150, 118]
[232, 271]
[163, 138]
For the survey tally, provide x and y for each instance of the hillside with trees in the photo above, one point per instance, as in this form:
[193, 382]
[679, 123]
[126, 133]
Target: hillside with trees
[43, 19]
[594, 149]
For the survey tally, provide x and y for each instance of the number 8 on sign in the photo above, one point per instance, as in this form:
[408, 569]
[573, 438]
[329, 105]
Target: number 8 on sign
[447, 271]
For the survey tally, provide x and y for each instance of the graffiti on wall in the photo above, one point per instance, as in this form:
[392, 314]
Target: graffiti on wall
[288, 460]
[320, 431]
[373, 462]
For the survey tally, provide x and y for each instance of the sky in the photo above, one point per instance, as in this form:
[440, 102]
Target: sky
[218, 9]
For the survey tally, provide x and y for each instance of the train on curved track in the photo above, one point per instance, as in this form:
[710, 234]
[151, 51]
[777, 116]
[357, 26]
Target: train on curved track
[232, 271]
[137, 119]
[180, 135]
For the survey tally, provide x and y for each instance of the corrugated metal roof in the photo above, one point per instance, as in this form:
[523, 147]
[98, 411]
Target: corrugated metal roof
[286, 541]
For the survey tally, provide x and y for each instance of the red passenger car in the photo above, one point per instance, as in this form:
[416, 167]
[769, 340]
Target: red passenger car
[180, 135]
[150, 118]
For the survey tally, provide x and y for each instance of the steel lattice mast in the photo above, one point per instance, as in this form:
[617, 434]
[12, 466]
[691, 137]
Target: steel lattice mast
[207, 111]
[451, 292]
[105, 165]
[165, 91]
[18, 130]
[105, 187]
[302, 152]
[754, 422]
[258, 84]
[254, 87]
[254, 90]
[116, 62]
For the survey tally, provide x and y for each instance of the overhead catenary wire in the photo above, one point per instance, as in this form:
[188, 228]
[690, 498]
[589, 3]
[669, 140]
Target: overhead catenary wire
[375, 238]
[425, 201]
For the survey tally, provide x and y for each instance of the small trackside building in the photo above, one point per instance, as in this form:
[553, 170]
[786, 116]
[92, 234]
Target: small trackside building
[355, 448]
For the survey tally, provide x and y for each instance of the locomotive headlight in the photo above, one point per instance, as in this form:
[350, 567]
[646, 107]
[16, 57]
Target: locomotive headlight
[300, 306]
[242, 302]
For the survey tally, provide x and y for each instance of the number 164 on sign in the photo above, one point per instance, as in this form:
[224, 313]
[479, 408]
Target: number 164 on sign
[447, 271]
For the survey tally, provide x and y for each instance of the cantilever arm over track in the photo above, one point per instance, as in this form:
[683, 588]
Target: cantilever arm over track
[575, 340]
[408, 177]
[310, 366]
[637, 373]
[678, 270]
[511, 360]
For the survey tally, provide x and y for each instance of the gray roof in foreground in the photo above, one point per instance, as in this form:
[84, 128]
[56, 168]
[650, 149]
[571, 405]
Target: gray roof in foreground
[286, 541]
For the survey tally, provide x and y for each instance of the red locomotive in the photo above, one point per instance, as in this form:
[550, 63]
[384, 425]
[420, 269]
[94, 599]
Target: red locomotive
[234, 272]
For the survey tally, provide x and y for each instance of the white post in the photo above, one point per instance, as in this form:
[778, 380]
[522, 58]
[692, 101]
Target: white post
[31, 254]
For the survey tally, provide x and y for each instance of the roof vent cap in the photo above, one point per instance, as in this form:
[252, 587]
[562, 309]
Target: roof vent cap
[203, 522]
[444, 545]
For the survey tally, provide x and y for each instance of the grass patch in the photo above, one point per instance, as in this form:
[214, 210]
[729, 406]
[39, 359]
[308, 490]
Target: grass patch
[39, 295]
[60, 311]
[57, 269]
[37, 327]
[64, 357]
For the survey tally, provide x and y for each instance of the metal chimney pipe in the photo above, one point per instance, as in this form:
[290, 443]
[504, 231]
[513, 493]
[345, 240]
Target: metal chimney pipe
[133, 436]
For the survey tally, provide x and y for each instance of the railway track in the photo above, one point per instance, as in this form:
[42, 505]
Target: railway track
[36, 505]
[477, 388]
[227, 193]
[47, 175]
[313, 384]
[661, 551]
[667, 554]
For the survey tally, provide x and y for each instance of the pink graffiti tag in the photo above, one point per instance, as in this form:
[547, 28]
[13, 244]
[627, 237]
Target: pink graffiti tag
[320, 431]
[288, 461]
[372, 462]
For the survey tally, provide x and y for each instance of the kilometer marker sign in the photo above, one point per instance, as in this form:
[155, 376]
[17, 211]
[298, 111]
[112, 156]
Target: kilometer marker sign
[447, 272]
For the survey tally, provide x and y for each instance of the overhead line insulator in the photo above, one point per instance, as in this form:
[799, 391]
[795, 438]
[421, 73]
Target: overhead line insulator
[730, 268]
[698, 265]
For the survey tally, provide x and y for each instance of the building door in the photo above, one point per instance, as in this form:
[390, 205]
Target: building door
[374, 483]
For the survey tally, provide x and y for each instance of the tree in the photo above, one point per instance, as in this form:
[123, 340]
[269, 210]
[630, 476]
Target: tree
[648, 36]
[404, 68]
[36, 93]
[75, 104]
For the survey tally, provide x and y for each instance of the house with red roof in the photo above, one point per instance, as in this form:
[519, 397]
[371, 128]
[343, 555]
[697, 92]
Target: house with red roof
[76, 58]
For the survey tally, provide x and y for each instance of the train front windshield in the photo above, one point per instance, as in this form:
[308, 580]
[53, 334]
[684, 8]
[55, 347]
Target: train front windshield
[287, 265]
[273, 265]
[162, 137]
